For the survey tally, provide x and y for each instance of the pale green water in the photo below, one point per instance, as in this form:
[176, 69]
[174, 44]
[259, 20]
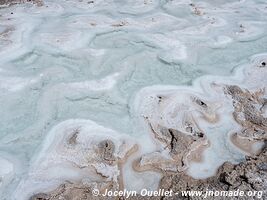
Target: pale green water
[160, 43]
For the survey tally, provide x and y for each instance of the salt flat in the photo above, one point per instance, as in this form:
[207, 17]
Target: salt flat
[146, 75]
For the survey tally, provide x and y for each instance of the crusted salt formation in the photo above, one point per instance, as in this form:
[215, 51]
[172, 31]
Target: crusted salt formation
[249, 109]
[12, 2]
[51, 55]
[178, 147]
[78, 150]
[172, 118]
[187, 122]
[249, 175]
[69, 191]
[180, 120]
[248, 112]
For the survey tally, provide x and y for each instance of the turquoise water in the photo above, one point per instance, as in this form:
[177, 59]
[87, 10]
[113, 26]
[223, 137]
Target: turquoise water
[70, 59]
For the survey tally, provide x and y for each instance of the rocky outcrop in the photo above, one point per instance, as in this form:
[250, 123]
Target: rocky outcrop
[12, 2]
[183, 123]
[69, 191]
[93, 156]
[172, 118]
[179, 146]
[249, 175]
[249, 108]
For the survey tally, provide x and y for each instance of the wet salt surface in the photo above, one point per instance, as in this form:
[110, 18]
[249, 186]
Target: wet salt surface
[74, 60]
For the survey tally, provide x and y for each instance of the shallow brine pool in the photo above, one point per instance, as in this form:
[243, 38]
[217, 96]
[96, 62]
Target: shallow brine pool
[145, 75]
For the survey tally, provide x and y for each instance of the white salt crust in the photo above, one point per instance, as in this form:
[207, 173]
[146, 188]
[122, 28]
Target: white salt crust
[102, 65]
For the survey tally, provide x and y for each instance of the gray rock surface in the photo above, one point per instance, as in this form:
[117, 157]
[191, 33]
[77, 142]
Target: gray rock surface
[12, 2]
[249, 175]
